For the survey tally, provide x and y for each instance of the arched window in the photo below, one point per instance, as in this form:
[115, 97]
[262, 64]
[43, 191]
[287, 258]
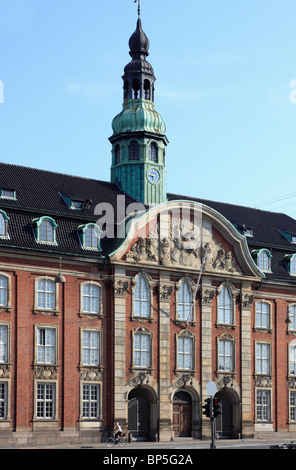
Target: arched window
[91, 298]
[90, 236]
[142, 298]
[147, 90]
[184, 304]
[263, 259]
[153, 152]
[45, 230]
[225, 306]
[136, 88]
[46, 294]
[117, 154]
[3, 224]
[134, 150]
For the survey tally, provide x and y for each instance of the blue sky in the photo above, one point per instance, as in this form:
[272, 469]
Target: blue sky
[223, 68]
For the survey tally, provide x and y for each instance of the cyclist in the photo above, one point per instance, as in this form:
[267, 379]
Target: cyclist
[117, 431]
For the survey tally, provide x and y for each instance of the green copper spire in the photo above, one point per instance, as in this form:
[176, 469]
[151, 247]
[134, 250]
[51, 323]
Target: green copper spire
[138, 140]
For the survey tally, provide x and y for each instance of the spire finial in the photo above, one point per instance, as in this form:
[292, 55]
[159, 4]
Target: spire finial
[139, 7]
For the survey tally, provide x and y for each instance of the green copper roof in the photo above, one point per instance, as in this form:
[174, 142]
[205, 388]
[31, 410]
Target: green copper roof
[137, 116]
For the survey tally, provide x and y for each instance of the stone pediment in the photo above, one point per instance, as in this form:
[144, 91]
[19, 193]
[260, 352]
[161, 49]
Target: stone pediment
[187, 239]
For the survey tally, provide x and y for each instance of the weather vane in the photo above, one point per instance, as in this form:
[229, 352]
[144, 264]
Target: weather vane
[139, 7]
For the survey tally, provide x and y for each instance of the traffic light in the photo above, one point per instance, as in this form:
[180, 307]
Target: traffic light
[216, 407]
[208, 408]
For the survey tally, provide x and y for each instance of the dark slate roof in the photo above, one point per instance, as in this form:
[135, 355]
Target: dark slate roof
[267, 230]
[38, 193]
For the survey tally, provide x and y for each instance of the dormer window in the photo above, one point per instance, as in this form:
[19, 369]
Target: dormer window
[45, 230]
[291, 263]
[3, 224]
[263, 259]
[7, 193]
[90, 236]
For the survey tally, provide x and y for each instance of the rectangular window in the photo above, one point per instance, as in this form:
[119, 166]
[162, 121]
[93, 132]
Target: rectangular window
[226, 355]
[141, 350]
[293, 406]
[3, 343]
[262, 358]
[90, 401]
[185, 350]
[3, 400]
[262, 315]
[263, 405]
[292, 359]
[90, 348]
[45, 400]
[46, 345]
[3, 291]
[8, 193]
[46, 294]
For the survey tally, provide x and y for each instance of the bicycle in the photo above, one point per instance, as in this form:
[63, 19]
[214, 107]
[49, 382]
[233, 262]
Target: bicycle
[121, 440]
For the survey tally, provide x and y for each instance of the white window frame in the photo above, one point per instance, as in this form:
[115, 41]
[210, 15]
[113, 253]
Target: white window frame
[136, 313]
[292, 317]
[89, 401]
[49, 349]
[185, 357]
[226, 353]
[4, 343]
[83, 295]
[142, 348]
[263, 360]
[185, 308]
[263, 405]
[3, 400]
[46, 309]
[88, 347]
[263, 320]
[44, 400]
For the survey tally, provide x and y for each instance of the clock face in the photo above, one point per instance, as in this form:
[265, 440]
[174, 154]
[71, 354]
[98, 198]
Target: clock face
[153, 176]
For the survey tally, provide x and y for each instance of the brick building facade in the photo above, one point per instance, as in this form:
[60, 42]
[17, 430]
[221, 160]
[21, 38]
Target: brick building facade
[120, 302]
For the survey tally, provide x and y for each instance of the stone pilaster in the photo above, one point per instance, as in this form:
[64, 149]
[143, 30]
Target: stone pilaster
[165, 406]
[207, 294]
[120, 287]
[246, 372]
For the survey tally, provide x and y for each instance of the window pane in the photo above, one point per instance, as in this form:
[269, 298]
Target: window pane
[3, 291]
[225, 306]
[90, 348]
[90, 401]
[46, 294]
[184, 302]
[2, 225]
[46, 231]
[142, 350]
[3, 343]
[91, 298]
[141, 298]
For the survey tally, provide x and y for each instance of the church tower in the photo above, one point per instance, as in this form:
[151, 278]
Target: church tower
[138, 140]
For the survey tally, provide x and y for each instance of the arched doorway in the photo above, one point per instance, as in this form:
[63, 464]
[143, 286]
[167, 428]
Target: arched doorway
[139, 414]
[182, 414]
[228, 422]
